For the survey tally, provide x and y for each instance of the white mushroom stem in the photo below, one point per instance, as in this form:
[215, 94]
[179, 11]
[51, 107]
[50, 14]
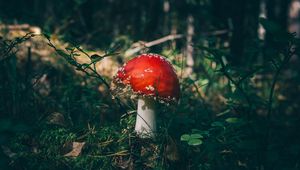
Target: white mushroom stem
[145, 125]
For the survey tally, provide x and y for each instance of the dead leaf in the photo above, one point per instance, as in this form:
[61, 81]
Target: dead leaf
[56, 118]
[171, 150]
[76, 149]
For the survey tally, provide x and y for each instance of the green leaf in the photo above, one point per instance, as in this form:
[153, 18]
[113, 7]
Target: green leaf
[95, 58]
[76, 54]
[196, 136]
[85, 65]
[195, 142]
[232, 120]
[70, 48]
[217, 124]
[223, 113]
[185, 137]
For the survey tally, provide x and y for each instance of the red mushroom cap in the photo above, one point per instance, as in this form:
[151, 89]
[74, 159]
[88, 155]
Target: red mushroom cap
[150, 75]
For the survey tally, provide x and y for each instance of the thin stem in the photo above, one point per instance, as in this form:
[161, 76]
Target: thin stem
[285, 61]
[236, 84]
[278, 71]
[95, 73]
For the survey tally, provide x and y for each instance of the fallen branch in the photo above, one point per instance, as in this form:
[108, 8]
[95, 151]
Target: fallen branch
[142, 46]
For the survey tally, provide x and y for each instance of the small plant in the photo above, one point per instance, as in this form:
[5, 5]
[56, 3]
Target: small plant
[193, 139]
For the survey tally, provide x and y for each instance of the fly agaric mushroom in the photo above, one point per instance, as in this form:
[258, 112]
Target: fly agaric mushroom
[153, 79]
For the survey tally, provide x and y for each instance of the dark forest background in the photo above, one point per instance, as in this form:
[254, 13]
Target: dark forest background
[237, 62]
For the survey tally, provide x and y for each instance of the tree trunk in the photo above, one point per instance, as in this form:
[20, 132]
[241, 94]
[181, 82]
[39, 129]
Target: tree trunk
[293, 21]
[243, 20]
[263, 14]
[237, 39]
[189, 45]
[251, 32]
[166, 8]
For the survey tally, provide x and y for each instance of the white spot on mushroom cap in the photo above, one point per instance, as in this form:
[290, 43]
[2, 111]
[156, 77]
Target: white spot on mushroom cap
[128, 78]
[150, 88]
[140, 76]
[148, 70]
[162, 58]
[133, 96]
